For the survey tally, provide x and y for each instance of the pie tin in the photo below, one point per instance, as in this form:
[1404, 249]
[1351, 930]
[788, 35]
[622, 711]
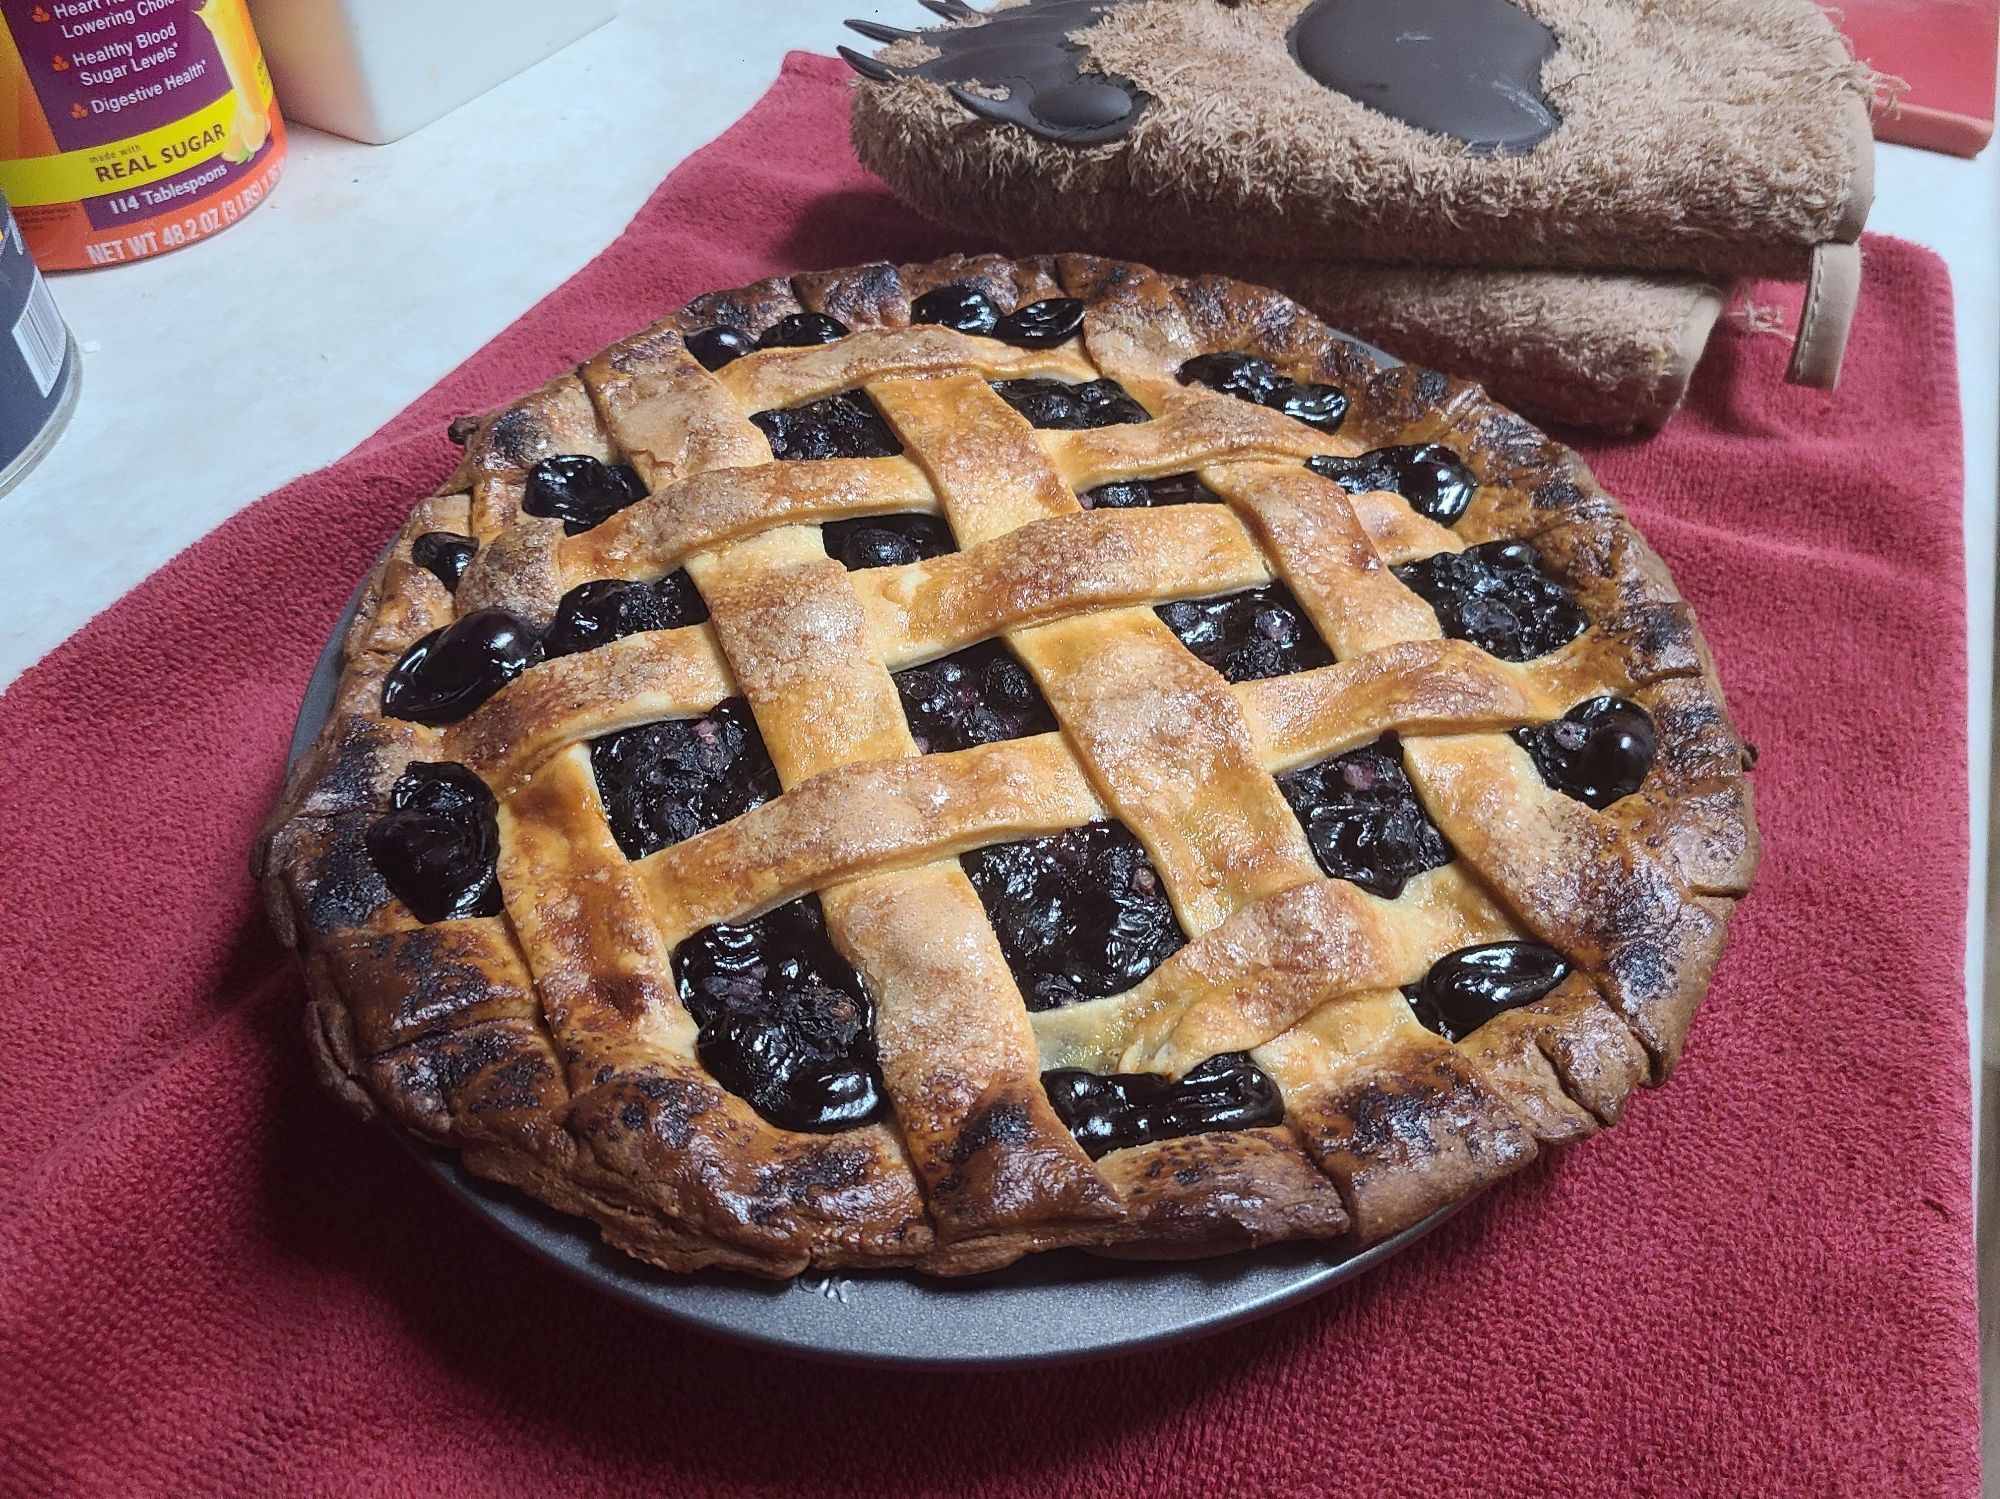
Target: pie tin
[1060, 1306]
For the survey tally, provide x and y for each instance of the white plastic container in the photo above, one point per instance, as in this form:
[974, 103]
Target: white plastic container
[374, 70]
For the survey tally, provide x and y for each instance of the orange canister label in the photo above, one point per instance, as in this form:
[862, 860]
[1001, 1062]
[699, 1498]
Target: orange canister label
[130, 127]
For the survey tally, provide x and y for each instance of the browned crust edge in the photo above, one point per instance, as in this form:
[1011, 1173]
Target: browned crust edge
[1427, 1127]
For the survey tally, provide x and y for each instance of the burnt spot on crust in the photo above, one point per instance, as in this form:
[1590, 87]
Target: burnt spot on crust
[1418, 1131]
[1004, 1122]
[518, 438]
[495, 1080]
[334, 882]
[667, 1107]
[403, 985]
[819, 1169]
[1658, 641]
[866, 296]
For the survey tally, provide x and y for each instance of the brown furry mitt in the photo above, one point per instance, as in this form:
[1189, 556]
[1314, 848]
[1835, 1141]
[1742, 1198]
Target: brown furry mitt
[1591, 348]
[1719, 138]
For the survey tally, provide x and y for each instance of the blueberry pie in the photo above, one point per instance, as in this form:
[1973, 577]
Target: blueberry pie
[914, 767]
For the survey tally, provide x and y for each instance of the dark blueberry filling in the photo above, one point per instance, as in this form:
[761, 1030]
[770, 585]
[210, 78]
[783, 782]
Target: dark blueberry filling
[783, 1021]
[1071, 408]
[1467, 988]
[801, 330]
[715, 347]
[451, 671]
[975, 696]
[437, 847]
[962, 307]
[594, 614]
[841, 426]
[1110, 1112]
[1041, 325]
[1497, 596]
[444, 554]
[581, 491]
[1134, 494]
[1257, 381]
[1260, 632]
[1597, 752]
[887, 540]
[1363, 818]
[1080, 914]
[1427, 474]
[662, 782]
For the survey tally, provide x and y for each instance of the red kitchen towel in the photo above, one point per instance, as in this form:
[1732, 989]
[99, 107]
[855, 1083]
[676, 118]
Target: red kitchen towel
[212, 1280]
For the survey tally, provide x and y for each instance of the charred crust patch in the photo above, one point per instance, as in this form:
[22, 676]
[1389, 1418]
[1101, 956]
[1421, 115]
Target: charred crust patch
[1004, 1122]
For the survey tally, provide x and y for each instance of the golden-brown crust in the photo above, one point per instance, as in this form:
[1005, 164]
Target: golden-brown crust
[548, 1043]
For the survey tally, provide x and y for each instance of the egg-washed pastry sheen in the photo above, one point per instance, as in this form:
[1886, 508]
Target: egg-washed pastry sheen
[918, 766]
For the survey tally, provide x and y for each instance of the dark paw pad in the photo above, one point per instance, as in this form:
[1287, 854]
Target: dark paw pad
[1025, 50]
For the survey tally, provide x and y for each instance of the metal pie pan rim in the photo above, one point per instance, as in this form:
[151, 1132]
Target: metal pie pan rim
[1024, 1315]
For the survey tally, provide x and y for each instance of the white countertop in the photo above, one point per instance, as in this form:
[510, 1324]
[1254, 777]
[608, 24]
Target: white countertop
[217, 373]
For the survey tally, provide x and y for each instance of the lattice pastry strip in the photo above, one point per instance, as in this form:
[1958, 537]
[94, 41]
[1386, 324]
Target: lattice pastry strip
[552, 1045]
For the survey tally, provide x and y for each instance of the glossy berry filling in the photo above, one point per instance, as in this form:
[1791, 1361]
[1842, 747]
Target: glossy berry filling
[1427, 474]
[437, 846]
[445, 555]
[451, 671]
[886, 540]
[1249, 378]
[782, 1020]
[662, 782]
[581, 491]
[594, 614]
[979, 695]
[839, 426]
[1108, 1112]
[1041, 325]
[1071, 408]
[964, 308]
[1080, 914]
[1597, 752]
[801, 330]
[1363, 819]
[1260, 632]
[1136, 494]
[1497, 596]
[715, 347]
[1467, 988]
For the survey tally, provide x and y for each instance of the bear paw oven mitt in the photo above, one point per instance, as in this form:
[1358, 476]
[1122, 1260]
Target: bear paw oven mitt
[1551, 196]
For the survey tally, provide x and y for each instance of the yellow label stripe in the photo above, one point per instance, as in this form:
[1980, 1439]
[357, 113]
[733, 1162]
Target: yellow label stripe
[116, 166]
